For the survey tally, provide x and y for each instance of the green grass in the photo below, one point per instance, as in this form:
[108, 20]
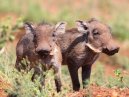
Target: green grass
[120, 61]
[120, 26]
[21, 83]
[22, 86]
[68, 11]
[8, 29]
[98, 77]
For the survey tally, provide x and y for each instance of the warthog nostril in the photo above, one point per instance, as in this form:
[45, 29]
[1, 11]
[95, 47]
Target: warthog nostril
[43, 53]
[110, 51]
[115, 50]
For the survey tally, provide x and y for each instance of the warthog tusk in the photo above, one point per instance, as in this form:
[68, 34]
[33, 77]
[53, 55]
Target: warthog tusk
[92, 48]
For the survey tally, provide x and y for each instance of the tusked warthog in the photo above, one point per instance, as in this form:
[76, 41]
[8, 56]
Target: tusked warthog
[39, 45]
[81, 46]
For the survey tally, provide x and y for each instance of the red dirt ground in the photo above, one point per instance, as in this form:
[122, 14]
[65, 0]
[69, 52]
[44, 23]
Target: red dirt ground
[97, 91]
[3, 85]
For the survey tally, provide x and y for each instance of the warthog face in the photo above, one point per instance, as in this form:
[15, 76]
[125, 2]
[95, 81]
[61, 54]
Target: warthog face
[98, 36]
[44, 37]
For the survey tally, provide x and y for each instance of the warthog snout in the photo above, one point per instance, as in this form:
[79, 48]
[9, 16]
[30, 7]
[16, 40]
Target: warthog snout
[43, 50]
[43, 53]
[110, 51]
[111, 48]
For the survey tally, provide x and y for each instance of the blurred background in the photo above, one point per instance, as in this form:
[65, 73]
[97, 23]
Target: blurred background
[13, 13]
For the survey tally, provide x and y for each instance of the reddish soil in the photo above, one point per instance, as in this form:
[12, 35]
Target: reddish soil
[2, 93]
[3, 86]
[97, 91]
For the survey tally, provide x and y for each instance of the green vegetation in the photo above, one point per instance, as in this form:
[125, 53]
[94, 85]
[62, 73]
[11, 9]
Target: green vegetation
[22, 86]
[110, 12]
[98, 75]
[120, 26]
[37, 11]
[120, 61]
[7, 29]
[118, 80]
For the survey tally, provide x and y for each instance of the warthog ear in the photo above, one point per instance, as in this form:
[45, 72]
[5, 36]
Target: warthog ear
[60, 28]
[29, 28]
[82, 26]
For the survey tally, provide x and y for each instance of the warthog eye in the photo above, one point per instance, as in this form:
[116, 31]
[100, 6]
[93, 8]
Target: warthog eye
[85, 27]
[54, 37]
[95, 32]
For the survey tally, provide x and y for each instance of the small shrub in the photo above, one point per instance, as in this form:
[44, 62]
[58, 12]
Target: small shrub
[7, 29]
[120, 80]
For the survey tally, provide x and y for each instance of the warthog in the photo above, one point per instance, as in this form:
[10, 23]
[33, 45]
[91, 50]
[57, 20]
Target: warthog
[39, 45]
[81, 46]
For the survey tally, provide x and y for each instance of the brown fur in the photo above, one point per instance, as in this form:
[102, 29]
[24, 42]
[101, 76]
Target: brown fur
[76, 53]
[39, 46]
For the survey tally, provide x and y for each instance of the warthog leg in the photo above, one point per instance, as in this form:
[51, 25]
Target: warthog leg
[86, 71]
[57, 77]
[73, 70]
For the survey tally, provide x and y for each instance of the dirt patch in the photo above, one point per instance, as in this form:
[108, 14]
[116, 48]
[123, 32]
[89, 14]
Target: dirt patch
[2, 93]
[97, 91]
[3, 85]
